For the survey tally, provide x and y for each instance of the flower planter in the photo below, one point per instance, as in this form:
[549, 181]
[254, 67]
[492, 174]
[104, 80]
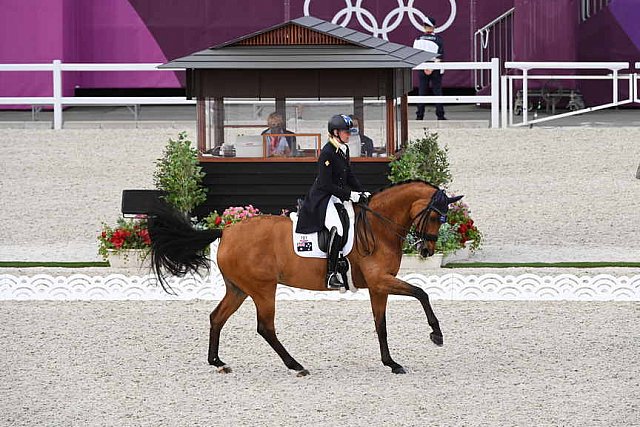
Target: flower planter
[463, 254]
[129, 258]
[413, 263]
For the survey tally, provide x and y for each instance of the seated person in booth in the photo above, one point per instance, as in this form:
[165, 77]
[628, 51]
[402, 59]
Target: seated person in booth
[334, 185]
[366, 143]
[278, 146]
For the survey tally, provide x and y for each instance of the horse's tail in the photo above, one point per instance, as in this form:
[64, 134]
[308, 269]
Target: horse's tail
[176, 246]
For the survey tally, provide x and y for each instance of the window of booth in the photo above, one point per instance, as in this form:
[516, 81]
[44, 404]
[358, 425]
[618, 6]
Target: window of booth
[244, 128]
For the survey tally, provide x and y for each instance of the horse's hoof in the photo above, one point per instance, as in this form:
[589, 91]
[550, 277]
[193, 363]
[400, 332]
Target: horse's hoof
[302, 373]
[224, 369]
[398, 370]
[437, 339]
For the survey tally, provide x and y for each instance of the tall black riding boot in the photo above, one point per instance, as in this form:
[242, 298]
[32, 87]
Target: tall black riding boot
[334, 280]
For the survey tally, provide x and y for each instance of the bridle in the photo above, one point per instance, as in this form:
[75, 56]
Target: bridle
[418, 222]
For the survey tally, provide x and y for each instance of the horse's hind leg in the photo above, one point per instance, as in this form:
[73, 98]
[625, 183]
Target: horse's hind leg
[231, 301]
[266, 308]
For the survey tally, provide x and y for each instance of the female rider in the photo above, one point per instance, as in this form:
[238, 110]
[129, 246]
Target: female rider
[334, 185]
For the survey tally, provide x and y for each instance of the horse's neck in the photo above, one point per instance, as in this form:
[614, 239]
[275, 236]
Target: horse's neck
[395, 203]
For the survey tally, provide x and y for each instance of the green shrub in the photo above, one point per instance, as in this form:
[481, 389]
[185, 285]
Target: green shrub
[179, 176]
[422, 159]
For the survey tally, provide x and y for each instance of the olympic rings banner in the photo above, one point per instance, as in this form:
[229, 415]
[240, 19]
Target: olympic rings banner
[367, 19]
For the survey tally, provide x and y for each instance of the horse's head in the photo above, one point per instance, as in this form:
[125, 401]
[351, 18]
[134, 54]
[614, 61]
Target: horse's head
[428, 219]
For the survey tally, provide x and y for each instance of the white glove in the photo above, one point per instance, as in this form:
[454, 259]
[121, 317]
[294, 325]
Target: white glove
[354, 197]
[366, 194]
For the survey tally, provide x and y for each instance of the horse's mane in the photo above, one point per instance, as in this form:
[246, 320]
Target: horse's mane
[407, 181]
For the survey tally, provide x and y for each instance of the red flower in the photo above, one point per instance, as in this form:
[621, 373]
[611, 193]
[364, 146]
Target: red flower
[218, 220]
[144, 233]
[117, 242]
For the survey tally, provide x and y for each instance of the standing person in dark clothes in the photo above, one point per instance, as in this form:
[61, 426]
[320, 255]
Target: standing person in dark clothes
[334, 185]
[433, 43]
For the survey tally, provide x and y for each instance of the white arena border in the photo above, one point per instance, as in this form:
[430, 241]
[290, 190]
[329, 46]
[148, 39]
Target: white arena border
[449, 286]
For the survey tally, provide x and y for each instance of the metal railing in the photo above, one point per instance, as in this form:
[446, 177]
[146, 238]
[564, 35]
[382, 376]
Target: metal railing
[588, 8]
[507, 86]
[58, 101]
[493, 99]
[636, 82]
[494, 40]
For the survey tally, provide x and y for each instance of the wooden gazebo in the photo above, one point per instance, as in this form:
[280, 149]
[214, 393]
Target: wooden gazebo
[304, 58]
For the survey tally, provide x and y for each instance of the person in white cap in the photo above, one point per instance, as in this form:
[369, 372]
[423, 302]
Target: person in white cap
[431, 42]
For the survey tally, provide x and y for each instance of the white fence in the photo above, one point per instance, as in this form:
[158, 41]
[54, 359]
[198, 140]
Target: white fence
[507, 89]
[501, 96]
[58, 101]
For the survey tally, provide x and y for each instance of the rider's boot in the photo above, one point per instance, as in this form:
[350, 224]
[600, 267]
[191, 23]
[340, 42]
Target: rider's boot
[334, 279]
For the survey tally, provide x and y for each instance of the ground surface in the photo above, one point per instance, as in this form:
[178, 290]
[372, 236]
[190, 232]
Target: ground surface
[144, 363]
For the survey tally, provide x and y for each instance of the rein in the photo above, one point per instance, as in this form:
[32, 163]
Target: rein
[365, 233]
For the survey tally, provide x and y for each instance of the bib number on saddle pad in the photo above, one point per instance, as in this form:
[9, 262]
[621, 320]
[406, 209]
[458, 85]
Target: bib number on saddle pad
[304, 245]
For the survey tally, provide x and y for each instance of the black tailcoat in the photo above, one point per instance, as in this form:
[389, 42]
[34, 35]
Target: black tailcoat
[334, 178]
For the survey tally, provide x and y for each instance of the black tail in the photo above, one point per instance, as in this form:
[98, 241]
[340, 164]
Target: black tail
[176, 246]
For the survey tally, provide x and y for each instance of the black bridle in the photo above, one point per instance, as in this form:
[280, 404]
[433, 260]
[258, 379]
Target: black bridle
[365, 233]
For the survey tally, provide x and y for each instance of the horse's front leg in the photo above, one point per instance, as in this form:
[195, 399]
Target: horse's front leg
[392, 285]
[379, 308]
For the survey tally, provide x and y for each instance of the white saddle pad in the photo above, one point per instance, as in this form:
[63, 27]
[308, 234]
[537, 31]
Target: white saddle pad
[306, 245]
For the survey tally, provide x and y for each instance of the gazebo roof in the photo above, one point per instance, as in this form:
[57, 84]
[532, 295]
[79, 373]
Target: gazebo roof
[304, 43]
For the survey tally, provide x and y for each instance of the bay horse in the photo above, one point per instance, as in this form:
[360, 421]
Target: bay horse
[256, 254]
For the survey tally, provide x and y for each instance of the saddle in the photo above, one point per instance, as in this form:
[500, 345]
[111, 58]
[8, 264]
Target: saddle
[315, 245]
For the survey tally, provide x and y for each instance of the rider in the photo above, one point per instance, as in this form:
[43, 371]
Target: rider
[334, 184]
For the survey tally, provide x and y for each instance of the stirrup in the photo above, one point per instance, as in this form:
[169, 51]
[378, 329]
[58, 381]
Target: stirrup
[334, 281]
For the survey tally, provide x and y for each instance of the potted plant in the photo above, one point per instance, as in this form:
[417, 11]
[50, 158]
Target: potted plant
[179, 175]
[425, 159]
[126, 245]
[422, 159]
[467, 237]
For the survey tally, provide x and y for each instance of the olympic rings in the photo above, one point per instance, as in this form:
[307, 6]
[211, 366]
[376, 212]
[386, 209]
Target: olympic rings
[368, 21]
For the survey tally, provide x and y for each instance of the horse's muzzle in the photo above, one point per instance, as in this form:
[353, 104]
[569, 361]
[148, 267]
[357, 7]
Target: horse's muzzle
[425, 252]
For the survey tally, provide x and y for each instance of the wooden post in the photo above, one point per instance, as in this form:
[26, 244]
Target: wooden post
[218, 121]
[281, 108]
[201, 125]
[404, 121]
[358, 111]
[391, 126]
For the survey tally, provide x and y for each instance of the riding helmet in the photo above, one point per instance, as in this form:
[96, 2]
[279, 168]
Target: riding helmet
[340, 122]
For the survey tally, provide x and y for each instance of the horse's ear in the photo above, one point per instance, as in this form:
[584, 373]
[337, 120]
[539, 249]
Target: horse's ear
[453, 199]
